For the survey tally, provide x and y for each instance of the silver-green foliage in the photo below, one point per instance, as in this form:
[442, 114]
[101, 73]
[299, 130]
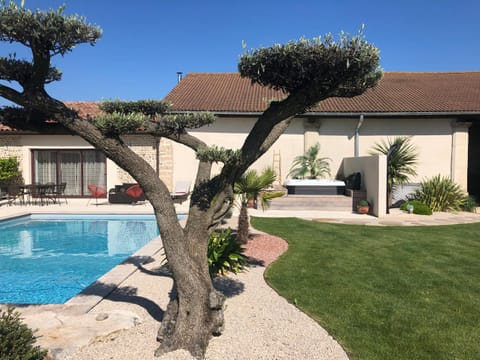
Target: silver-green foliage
[48, 32]
[310, 165]
[348, 61]
[116, 124]
[217, 154]
[440, 193]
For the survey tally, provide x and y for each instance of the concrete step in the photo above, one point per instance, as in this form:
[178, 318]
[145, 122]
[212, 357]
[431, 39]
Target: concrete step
[312, 202]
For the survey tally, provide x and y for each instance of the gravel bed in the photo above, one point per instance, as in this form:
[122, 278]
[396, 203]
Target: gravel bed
[259, 323]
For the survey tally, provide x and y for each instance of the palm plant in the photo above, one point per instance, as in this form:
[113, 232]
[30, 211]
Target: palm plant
[249, 188]
[402, 160]
[310, 165]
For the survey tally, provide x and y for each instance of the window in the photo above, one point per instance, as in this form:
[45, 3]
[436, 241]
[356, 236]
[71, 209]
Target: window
[77, 168]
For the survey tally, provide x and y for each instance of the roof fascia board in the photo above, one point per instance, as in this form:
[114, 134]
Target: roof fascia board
[348, 114]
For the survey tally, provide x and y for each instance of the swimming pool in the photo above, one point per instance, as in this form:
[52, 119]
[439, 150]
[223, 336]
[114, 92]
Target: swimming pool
[47, 259]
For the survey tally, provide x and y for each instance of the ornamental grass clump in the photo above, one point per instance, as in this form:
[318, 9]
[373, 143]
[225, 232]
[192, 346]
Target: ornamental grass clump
[440, 193]
[17, 341]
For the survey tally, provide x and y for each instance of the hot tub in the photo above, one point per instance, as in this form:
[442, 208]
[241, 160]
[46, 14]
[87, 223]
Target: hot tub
[315, 187]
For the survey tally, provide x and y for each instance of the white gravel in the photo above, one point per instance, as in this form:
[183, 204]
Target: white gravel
[259, 325]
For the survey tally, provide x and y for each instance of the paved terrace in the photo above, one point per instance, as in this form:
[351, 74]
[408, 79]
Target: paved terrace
[125, 298]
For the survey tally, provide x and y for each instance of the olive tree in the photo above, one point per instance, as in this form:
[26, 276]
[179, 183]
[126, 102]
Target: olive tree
[306, 71]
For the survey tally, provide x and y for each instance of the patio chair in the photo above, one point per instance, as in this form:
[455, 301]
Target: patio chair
[48, 191]
[135, 192]
[181, 193]
[58, 192]
[97, 191]
[14, 193]
[3, 197]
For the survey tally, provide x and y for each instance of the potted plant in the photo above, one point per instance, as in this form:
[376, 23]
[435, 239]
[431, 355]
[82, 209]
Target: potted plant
[410, 208]
[363, 207]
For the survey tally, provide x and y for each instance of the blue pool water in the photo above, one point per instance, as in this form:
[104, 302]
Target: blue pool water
[47, 259]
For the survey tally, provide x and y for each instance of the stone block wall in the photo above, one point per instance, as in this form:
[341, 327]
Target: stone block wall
[146, 147]
[10, 145]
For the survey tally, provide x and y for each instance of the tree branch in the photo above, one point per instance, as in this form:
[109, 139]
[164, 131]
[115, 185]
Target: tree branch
[11, 94]
[183, 138]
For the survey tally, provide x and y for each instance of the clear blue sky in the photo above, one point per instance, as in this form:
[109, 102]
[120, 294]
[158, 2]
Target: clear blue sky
[146, 42]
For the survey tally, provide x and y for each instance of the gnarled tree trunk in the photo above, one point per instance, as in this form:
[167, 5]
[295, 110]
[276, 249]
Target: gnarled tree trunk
[195, 312]
[243, 224]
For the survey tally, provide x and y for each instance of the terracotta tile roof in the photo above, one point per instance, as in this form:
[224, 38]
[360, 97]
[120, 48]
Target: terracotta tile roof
[396, 92]
[84, 108]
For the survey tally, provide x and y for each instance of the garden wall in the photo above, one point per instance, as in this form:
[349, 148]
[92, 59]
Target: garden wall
[374, 179]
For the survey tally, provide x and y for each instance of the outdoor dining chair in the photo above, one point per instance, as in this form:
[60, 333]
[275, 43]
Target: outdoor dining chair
[97, 191]
[56, 192]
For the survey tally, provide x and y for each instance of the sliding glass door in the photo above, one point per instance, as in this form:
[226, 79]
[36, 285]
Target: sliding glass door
[76, 168]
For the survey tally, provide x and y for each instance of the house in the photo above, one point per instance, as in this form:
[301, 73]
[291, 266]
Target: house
[440, 111]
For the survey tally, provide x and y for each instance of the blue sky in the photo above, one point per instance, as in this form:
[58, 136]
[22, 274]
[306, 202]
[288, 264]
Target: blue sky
[146, 42]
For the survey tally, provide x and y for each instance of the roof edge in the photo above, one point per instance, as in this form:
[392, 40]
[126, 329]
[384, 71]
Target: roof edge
[341, 114]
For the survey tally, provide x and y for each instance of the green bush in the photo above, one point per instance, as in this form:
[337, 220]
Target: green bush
[419, 208]
[17, 339]
[225, 254]
[10, 172]
[470, 204]
[440, 194]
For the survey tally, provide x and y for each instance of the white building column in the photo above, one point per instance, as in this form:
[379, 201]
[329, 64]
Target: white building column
[459, 164]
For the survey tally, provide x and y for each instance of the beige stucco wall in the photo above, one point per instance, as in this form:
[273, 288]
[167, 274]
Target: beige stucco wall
[231, 133]
[432, 138]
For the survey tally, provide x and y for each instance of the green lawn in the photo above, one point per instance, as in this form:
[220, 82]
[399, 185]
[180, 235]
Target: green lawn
[384, 292]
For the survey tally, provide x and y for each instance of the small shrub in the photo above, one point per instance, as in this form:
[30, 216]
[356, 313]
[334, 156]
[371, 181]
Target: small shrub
[225, 254]
[419, 208]
[10, 172]
[470, 204]
[440, 194]
[17, 339]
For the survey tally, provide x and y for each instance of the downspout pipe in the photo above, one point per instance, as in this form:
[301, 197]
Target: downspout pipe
[357, 135]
